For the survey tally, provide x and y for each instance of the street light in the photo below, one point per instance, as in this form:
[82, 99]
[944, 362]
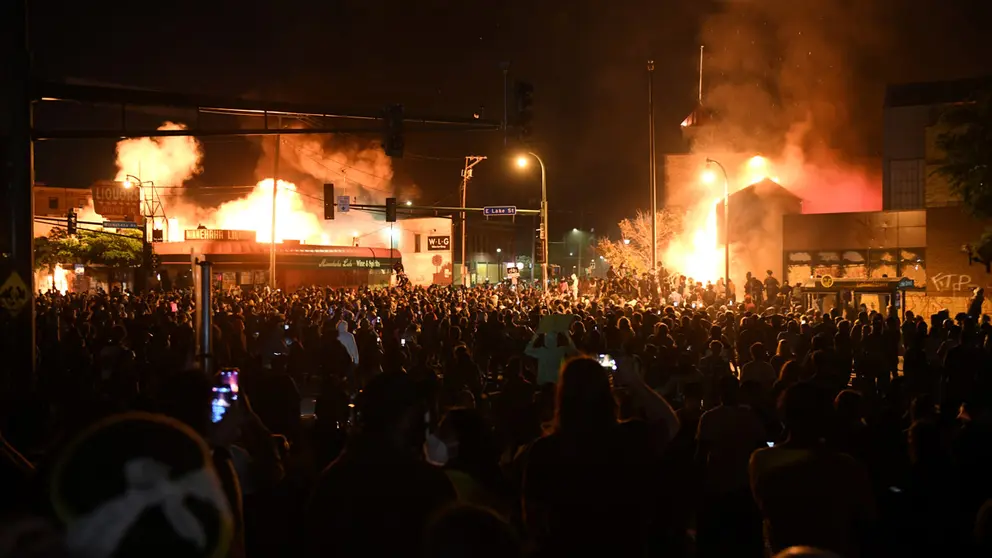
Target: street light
[522, 163]
[409, 203]
[726, 224]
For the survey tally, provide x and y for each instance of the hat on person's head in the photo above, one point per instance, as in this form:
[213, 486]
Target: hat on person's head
[139, 484]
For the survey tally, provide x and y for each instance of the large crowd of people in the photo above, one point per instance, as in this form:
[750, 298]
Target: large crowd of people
[499, 421]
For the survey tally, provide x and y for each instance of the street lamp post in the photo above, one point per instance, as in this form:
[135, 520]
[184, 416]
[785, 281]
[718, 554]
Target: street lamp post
[522, 162]
[726, 226]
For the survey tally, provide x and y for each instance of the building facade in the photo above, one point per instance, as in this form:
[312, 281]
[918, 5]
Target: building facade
[911, 127]
[924, 246]
[51, 201]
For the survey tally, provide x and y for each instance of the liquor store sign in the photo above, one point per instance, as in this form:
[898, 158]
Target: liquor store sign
[218, 234]
[438, 242]
[112, 199]
[352, 263]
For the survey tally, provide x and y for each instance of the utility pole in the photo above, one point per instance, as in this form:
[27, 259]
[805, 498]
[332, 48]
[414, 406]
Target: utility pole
[275, 192]
[17, 175]
[651, 167]
[506, 120]
[470, 162]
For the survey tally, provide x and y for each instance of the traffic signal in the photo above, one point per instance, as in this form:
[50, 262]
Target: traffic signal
[392, 138]
[155, 263]
[71, 222]
[524, 96]
[539, 254]
[328, 202]
[390, 210]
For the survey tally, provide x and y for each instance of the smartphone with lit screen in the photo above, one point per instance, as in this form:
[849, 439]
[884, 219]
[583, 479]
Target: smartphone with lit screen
[225, 393]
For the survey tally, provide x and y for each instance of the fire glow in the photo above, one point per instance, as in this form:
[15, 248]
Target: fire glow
[698, 252]
[163, 165]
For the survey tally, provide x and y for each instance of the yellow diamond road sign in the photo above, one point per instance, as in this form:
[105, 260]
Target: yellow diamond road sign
[14, 294]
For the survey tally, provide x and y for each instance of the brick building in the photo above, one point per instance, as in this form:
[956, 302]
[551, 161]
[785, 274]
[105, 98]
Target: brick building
[51, 201]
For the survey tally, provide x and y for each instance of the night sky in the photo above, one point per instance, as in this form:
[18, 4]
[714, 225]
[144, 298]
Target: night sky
[586, 60]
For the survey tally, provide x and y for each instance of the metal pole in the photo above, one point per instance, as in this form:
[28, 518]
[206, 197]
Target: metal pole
[533, 250]
[544, 220]
[17, 270]
[470, 162]
[726, 225]
[463, 273]
[275, 191]
[205, 315]
[506, 72]
[651, 169]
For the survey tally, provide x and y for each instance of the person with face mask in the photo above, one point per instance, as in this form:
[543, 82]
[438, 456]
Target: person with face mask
[377, 497]
[466, 447]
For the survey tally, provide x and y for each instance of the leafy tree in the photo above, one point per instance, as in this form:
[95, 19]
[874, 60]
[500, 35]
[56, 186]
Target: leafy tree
[967, 163]
[634, 248]
[966, 144]
[116, 251]
[58, 248]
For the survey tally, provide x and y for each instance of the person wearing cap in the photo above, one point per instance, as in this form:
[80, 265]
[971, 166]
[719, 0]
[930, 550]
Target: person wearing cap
[376, 498]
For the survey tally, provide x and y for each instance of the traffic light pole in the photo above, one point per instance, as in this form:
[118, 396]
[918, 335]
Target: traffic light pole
[275, 190]
[16, 240]
[470, 162]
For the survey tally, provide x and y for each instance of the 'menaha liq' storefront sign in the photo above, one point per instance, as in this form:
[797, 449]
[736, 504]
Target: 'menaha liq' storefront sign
[218, 234]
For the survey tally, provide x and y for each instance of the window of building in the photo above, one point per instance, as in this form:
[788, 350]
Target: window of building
[416, 243]
[883, 263]
[53, 203]
[906, 184]
[912, 265]
[799, 267]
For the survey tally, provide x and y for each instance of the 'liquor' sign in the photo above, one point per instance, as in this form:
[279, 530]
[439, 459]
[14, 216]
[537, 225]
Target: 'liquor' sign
[112, 199]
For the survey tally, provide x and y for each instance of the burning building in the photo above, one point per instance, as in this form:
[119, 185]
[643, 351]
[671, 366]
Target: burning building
[423, 246]
[183, 222]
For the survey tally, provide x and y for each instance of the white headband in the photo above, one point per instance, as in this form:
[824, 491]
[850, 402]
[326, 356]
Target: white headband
[100, 532]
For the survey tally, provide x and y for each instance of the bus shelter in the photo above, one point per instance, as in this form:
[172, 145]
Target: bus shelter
[825, 292]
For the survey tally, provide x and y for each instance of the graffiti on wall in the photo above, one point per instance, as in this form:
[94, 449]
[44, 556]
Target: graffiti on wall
[952, 282]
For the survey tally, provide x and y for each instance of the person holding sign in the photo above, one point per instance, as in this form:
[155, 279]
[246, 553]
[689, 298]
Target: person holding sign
[551, 346]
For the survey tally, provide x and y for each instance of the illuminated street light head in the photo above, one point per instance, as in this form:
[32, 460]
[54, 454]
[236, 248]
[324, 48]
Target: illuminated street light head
[522, 161]
[127, 184]
[756, 162]
[409, 202]
[708, 176]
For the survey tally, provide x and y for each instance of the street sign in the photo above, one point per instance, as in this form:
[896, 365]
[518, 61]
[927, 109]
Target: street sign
[495, 210]
[14, 294]
[120, 225]
[344, 204]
